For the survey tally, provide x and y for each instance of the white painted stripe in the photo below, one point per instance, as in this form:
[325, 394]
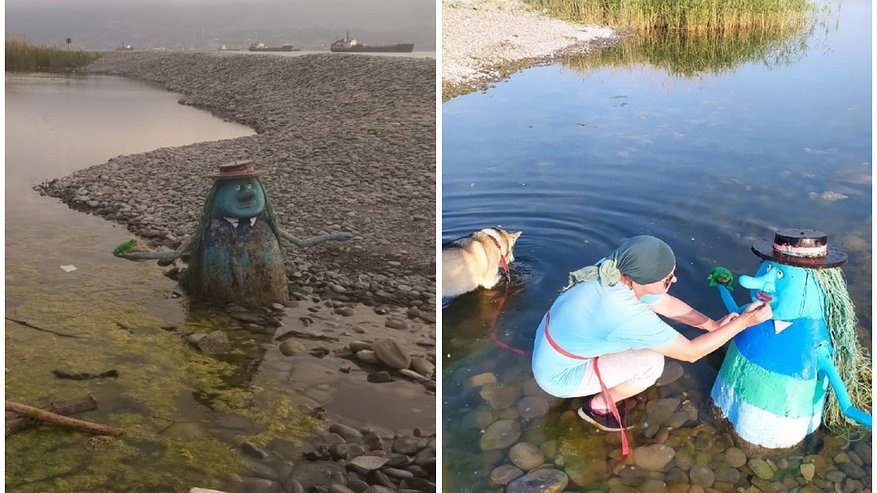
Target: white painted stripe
[758, 426]
[799, 251]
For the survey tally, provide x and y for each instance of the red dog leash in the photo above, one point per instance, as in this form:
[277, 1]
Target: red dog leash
[502, 260]
[625, 445]
[505, 267]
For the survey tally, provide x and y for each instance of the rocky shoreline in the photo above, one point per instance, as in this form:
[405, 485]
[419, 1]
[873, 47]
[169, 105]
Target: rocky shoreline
[484, 41]
[336, 358]
[344, 143]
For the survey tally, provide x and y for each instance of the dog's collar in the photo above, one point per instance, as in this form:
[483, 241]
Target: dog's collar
[502, 261]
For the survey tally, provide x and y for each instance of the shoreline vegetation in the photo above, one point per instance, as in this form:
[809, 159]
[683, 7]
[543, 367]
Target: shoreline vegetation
[689, 54]
[686, 15]
[23, 56]
[710, 35]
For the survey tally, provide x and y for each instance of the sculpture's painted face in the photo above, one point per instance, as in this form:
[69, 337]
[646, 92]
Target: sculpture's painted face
[791, 291]
[240, 198]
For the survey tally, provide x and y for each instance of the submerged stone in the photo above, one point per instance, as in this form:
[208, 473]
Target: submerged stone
[653, 457]
[501, 434]
[539, 481]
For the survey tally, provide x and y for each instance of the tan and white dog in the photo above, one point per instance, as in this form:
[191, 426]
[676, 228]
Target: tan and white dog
[476, 260]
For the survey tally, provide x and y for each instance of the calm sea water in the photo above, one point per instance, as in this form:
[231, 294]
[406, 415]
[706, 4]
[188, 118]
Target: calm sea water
[708, 145]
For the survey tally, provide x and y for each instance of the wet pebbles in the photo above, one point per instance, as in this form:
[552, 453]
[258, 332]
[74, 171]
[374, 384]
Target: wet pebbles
[339, 459]
[531, 442]
[311, 359]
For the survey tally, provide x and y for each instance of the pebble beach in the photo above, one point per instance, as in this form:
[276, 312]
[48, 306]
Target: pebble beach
[343, 143]
[485, 40]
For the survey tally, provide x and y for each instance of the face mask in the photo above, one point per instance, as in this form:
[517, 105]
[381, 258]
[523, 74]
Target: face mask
[651, 299]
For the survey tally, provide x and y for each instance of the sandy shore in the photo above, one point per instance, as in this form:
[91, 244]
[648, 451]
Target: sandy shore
[485, 40]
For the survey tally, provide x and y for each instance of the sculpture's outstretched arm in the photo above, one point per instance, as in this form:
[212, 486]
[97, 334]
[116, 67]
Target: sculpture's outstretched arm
[338, 236]
[121, 251]
[823, 358]
[728, 300]
[722, 278]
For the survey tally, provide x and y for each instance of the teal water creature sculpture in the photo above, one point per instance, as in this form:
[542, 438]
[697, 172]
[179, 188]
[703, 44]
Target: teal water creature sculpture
[774, 383]
[235, 254]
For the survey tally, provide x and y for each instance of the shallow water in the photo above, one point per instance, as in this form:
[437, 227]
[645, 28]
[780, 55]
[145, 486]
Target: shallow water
[706, 144]
[115, 308]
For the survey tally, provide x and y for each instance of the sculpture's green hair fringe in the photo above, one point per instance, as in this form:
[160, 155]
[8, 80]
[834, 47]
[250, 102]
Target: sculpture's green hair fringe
[851, 359]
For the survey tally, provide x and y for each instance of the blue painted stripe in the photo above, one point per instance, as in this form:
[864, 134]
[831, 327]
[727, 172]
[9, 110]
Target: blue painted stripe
[791, 352]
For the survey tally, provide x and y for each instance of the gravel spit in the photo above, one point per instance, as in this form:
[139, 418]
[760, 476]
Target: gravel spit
[345, 142]
[482, 38]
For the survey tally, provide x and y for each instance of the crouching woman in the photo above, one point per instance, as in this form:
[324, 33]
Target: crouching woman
[603, 339]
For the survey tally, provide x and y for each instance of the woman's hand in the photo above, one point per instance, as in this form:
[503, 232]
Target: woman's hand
[757, 312]
[715, 324]
[732, 324]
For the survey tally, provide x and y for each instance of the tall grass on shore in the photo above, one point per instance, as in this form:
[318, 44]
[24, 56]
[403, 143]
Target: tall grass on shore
[688, 54]
[22, 56]
[689, 15]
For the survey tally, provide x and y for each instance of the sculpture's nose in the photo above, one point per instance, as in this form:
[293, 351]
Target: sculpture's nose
[763, 282]
[245, 195]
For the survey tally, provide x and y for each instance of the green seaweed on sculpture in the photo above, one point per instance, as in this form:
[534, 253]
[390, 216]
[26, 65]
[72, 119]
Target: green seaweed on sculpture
[852, 361]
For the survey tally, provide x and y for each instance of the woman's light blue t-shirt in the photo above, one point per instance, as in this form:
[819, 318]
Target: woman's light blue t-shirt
[592, 320]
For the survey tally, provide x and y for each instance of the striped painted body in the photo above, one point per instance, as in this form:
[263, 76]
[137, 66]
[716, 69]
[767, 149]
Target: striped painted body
[770, 387]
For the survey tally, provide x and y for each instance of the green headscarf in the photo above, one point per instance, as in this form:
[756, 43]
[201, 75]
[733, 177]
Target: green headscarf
[644, 259]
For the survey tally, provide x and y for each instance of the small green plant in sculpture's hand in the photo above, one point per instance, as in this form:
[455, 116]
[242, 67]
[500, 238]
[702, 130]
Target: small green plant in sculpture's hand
[123, 247]
[723, 276]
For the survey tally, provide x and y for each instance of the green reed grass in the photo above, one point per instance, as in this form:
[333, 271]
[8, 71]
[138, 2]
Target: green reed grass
[687, 53]
[690, 15]
[22, 56]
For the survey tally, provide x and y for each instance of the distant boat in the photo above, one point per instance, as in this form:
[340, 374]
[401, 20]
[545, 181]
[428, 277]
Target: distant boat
[349, 45]
[125, 48]
[263, 47]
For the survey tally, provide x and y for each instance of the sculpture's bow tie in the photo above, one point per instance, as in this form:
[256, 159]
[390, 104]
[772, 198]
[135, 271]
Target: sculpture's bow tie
[235, 221]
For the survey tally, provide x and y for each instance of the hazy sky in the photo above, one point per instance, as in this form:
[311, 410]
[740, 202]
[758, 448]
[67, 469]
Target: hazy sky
[204, 23]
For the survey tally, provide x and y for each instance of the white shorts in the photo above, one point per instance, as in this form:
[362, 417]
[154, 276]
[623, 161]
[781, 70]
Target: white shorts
[640, 367]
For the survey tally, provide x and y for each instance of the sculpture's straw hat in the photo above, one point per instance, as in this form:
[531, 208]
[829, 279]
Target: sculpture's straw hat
[236, 169]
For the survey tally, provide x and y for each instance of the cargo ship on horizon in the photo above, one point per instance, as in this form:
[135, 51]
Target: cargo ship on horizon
[263, 47]
[349, 45]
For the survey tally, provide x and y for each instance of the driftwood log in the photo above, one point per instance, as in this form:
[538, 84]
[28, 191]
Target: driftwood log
[50, 331]
[49, 417]
[66, 408]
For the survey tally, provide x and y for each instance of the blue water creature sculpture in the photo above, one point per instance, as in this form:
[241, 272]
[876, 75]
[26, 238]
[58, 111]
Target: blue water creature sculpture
[774, 383]
[235, 254]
